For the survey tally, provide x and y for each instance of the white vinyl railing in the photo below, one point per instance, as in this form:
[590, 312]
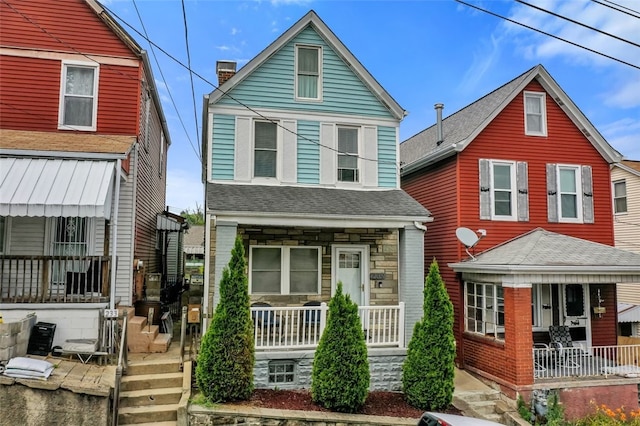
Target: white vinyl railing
[300, 327]
[594, 361]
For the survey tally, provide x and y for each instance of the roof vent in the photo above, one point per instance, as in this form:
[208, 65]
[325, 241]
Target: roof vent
[440, 137]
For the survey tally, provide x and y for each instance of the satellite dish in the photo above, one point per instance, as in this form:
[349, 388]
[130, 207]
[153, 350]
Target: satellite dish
[467, 237]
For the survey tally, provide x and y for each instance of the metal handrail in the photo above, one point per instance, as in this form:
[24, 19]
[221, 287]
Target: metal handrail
[183, 334]
[122, 366]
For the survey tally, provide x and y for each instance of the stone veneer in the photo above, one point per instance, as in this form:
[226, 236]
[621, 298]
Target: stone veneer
[383, 258]
[385, 368]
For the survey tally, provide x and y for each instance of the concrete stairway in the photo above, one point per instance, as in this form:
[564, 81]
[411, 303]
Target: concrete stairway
[152, 392]
[143, 337]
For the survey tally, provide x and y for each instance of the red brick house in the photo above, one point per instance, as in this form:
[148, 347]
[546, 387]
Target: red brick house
[83, 154]
[527, 173]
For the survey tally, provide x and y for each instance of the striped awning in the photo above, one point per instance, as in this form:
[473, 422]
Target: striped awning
[55, 187]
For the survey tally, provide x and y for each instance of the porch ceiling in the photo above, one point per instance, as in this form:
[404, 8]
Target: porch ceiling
[55, 187]
[264, 203]
[542, 251]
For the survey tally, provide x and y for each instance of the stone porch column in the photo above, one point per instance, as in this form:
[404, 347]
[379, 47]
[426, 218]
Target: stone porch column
[225, 239]
[411, 276]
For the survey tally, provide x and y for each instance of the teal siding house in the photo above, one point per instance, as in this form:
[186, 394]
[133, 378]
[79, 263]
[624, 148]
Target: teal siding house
[301, 149]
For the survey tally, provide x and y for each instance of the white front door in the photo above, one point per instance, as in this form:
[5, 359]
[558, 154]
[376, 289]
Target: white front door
[575, 310]
[350, 268]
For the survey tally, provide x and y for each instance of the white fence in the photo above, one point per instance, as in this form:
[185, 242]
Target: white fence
[300, 327]
[594, 361]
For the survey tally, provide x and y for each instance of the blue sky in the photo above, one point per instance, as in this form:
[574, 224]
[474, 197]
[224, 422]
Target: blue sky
[422, 52]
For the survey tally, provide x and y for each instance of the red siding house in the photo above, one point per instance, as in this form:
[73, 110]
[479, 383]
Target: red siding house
[83, 148]
[527, 177]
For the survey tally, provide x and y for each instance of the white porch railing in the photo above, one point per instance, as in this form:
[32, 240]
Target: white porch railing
[300, 327]
[594, 361]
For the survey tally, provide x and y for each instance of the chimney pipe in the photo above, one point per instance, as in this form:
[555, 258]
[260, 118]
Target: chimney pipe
[225, 70]
[439, 108]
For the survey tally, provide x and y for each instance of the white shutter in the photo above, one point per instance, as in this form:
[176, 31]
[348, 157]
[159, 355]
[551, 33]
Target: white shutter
[587, 195]
[244, 149]
[485, 189]
[328, 155]
[522, 183]
[552, 193]
[289, 158]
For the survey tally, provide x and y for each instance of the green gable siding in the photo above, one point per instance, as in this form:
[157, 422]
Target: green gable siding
[222, 151]
[308, 152]
[272, 84]
[387, 175]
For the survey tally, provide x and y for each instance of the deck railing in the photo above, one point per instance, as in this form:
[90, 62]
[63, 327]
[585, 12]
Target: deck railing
[300, 327]
[54, 279]
[594, 361]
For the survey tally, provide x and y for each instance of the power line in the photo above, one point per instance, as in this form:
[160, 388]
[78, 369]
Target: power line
[193, 93]
[573, 21]
[247, 107]
[548, 34]
[164, 80]
[619, 8]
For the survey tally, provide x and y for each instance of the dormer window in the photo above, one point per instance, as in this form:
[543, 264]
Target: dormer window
[308, 78]
[535, 114]
[78, 97]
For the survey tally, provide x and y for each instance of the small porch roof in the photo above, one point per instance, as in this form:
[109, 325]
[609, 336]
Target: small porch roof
[544, 252]
[313, 206]
[53, 187]
[628, 313]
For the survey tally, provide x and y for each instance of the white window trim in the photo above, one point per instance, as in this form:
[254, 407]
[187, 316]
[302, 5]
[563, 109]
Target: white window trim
[63, 79]
[499, 329]
[161, 159]
[578, 175]
[613, 194]
[6, 247]
[360, 168]
[542, 97]
[514, 190]
[285, 259]
[320, 76]
[279, 154]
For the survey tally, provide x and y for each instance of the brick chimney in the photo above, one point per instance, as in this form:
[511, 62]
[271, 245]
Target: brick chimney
[225, 70]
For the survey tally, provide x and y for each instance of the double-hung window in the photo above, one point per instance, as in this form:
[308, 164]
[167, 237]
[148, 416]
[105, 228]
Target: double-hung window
[348, 154]
[535, 114]
[569, 193]
[504, 192]
[503, 176]
[620, 197]
[285, 270]
[484, 310]
[265, 149]
[308, 77]
[78, 96]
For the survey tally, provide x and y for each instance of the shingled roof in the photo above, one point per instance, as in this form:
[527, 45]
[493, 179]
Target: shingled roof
[460, 128]
[296, 201]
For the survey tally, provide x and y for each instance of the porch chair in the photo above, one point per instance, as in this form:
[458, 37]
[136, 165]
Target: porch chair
[262, 318]
[309, 320]
[562, 344]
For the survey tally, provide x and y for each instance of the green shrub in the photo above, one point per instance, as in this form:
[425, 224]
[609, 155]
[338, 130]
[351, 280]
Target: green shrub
[224, 370]
[427, 372]
[340, 374]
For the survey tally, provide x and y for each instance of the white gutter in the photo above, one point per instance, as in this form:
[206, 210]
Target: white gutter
[420, 226]
[431, 158]
[207, 269]
[114, 235]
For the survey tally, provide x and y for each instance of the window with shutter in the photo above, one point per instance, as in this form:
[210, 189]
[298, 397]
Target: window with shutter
[569, 193]
[503, 190]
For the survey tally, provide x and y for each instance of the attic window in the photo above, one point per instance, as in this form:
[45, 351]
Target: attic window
[308, 77]
[535, 114]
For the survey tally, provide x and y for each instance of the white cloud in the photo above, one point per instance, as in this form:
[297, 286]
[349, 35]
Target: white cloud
[184, 190]
[625, 96]
[234, 31]
[482, 63]
[623, 135]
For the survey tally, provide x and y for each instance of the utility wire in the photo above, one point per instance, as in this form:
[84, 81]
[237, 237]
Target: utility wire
[193, 93]
[619, 8]
[573, 21]
[155, 58]
[548, 34]
[247, 107]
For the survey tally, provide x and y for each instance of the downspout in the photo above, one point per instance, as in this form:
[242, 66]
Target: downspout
[420, 226]
[207, 269]
[114, 235]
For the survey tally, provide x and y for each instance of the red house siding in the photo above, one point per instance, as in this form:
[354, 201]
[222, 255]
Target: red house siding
[118, 100]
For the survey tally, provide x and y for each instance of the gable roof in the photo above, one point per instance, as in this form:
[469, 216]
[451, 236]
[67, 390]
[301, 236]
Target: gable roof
[630, 166]
[312, 19]
[246, 203]
[461, 128]
[541, 251]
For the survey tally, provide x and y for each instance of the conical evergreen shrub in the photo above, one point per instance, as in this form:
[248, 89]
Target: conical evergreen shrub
[340, 374]
[428, 369]
[224, 370]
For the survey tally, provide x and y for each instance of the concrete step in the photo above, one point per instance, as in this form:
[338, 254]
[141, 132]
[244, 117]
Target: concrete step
[153, 367]
[143, 397]
[161, 343]
[136, 324]
[498, 418]
[169, 423]
[471, 396]
[151, 381]
[484, 407]
[148, 414]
